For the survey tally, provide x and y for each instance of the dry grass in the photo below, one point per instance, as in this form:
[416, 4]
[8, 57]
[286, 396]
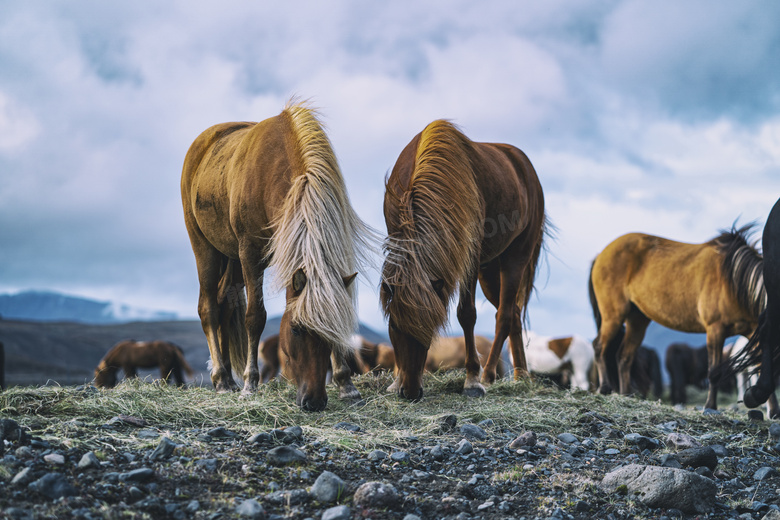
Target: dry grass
[385, 421]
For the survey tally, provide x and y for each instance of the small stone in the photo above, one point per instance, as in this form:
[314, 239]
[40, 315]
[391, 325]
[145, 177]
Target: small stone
[420, 475]
[89, 460]
[376, 495]
[193, 506]
[473, 431]
[148, 434]
[135, 493]
[464, 447]
[642, 442]
[260, 438]
[399, 456]
[347, 426]
[485, 505]
[681, 441]
[764, 472]
[437, 453]
[24, 477]
[137, 475]
[337, 513]
[611, 451]
[288, 435]
[377, 455]
[328, 487]
[221, 432]
[487, 423]
[755, 415]
[53, 485]
[527, 439]
[411, 516]
[697, 457]
[54, 459]
[568, 438]
[163, 450]
[285, 455]
[250, 508]
[774, 431]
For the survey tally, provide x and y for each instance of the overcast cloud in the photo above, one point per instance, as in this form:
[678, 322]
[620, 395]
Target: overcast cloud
[638, 116]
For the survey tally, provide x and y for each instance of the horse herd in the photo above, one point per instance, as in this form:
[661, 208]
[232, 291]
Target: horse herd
[457, 212]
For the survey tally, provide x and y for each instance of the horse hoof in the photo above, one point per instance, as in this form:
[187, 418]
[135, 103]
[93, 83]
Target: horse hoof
[246, 394]
[349, 392]
[488, 379]
[474, 391]
[753, 398]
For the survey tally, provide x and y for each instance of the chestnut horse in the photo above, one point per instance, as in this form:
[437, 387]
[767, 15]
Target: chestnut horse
[457, 211]
[130, 355]
[271, 194]
[714, 287]
[763, 348]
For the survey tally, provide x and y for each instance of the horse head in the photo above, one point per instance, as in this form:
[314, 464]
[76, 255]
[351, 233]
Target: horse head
[306, 354]
[105, 376]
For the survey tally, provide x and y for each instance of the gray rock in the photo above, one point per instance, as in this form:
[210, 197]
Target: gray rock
[54, 459]
[89, 460]
[410, 516]
[285, 455]
[773, 514]
[464, 447]
[697, 457]
[17, 513]
[337, 513]
[437, 453]
[288, 435]
[260, 438]
[24, 477]
[163, 450]
[472, 431]
[568, 438]
[221, 432]
[377, 455]
[669, 460]
[210, 465]
[137, 475]
[347, 426]
[681, 441]
[774, 431]
[641, 442]
[399, 456]
[292, 497]
[611, 451]
[148, 434]
[664, 487]
[376, 495]
[192, 507]
[527, 439]
[328, 487]
[764, 472]
[250, 508]
[53, 485]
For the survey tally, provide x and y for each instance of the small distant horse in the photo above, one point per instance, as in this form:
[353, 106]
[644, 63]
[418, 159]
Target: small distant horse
[763, 348]
[457, 211]
[686, 366]
[274, 360]
[646, 373]
[130, 355]
[257, 195]
[377, 357]
[714, 287]
[569, 357]
[449, 352]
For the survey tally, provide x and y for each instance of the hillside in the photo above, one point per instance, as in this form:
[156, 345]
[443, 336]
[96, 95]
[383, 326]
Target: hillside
[67, 353]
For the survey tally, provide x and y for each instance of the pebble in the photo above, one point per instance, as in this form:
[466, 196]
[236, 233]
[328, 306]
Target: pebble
[137, 475]
[377, 455]
[774, 431]
[221, 432]
[527, 439]
[399, 456]
[89, 460]
[337, 513]
[437, 453]
[163, 450]
[611, 451]
[376, 495]
[347, 426]
[53, 485]
[250, 508]
[54, 459]
[285, 455]
[568, 438]
[464, 447]
[764, 472]
[328, 487]
[473, 431]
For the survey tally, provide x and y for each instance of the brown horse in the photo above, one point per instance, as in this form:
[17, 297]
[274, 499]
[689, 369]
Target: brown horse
[714, 287]
[457, 211]
[130, 355]
[257, 195]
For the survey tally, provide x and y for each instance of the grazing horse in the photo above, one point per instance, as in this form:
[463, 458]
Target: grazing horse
[130, 355]
[265, 194]
[686, 366]
[457, 211]
[377, 357]
[714, 287]
[568, 356]
[448, 352]
[763, 348]
[274, 360]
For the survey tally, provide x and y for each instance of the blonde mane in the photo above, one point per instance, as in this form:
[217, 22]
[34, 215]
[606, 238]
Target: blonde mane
[318, 231]
[439, 231]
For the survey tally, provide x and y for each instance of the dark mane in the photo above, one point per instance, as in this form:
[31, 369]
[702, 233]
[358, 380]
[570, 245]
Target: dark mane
[743, 265]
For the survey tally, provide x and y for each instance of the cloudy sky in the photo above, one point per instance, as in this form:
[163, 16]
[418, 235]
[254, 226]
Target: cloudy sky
[638, 116]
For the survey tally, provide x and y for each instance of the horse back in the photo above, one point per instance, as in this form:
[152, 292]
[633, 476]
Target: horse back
[231, 180]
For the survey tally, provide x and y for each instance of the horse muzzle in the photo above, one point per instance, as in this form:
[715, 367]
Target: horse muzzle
[410, 395]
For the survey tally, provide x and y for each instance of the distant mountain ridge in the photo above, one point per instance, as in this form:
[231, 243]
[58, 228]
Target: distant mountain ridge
[51, 306]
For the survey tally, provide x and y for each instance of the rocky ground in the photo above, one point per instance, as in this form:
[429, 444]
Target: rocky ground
[700, 466]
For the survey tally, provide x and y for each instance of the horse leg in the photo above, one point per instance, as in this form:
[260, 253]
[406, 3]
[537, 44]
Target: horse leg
[254, 267]
[768, 341]
[210, 263]
[715, 337]
[342, 375]
[604, 349]
[490, 281]
[130, 371]
[467, 317]
[636, 325]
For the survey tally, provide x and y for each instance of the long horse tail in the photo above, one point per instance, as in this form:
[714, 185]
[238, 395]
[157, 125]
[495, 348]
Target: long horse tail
[179, 355]
[529, 275]
[232, 310]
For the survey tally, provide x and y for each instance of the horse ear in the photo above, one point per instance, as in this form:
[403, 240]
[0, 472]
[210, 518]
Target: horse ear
[438, 285]
[349, 279]
[298, 281]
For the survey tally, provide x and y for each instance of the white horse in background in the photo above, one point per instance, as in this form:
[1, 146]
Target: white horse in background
[552, 356]
[744, 381]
